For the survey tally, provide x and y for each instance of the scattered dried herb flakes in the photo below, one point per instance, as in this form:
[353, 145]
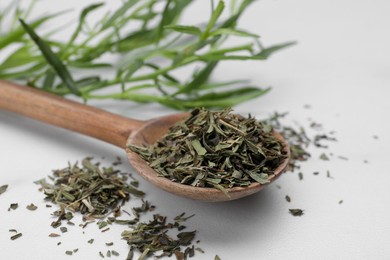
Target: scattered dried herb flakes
[31, 207]
[16, 236]
[297, 139]
[296, 212]
[217, 257]
[215, 149]
[89, 189]
[117, 162]
[92, 182]
[68, 252]
[341, 202]
[288, 199]
[3, 189]
[91, 241]
[319, 138]
[151, 238]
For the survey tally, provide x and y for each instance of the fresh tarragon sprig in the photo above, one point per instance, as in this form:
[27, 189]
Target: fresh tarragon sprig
[152, 47]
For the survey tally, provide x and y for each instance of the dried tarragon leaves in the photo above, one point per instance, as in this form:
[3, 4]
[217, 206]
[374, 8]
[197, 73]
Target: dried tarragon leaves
[152, 237]
[98, 192]
[215, 149]
[91, 190]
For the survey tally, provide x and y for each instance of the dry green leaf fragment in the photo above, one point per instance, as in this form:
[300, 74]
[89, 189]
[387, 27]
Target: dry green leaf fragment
[296, 212]
[31, 207]
[3, 188]
[16, 236]
[200, 150]
[324, 157]
[13, 206]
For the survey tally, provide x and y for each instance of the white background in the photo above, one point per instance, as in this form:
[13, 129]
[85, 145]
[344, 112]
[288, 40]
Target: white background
[340, 68]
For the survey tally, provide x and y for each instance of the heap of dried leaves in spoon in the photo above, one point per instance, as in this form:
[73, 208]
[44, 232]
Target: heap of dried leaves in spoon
[216, 149]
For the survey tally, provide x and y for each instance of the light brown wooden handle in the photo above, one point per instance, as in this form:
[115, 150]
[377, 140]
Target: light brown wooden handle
[67, 114]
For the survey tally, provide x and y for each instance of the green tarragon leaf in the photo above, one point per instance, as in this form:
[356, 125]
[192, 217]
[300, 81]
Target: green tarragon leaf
[52, 59]
[184, 29]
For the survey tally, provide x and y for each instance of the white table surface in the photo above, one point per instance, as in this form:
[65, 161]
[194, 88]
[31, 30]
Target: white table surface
[340, 67]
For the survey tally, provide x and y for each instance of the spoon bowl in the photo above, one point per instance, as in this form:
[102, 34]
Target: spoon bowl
[155, 130]
[119, 131]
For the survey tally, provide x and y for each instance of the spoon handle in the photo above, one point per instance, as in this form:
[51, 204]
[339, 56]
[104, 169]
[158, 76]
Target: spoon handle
[67, 114]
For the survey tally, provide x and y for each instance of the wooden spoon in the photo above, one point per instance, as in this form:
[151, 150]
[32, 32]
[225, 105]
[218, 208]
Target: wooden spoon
[117, 130]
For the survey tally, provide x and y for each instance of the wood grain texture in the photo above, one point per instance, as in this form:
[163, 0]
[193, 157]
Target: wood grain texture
[67, 114]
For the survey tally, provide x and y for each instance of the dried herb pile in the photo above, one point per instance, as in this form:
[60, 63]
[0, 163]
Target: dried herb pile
[215, 149]
[99, 194]
[90, 189]
[152, 237]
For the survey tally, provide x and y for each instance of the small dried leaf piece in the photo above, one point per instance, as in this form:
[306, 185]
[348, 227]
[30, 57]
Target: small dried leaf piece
[13, 206]
[63, 229]
[31, 207]
[296, 212]
[114, 253]
[3, 189]
[16, 236]
[324, 157]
